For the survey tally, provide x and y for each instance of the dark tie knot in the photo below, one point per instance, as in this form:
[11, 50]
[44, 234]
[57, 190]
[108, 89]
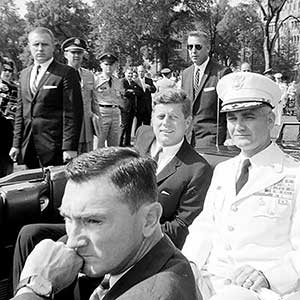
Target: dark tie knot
[244, 175]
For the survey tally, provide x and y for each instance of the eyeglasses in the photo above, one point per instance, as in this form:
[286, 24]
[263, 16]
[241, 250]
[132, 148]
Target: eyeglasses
[197, 46]
[8, 70]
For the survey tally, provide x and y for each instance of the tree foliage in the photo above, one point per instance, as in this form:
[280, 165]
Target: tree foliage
[12, 26]
[142, 28]
[239, 35]
[65, 18]
[270, 12]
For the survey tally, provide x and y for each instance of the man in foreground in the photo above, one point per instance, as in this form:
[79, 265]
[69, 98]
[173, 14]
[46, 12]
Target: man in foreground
[112, 220]
[245, 244]
[49, 112]
[183, 176]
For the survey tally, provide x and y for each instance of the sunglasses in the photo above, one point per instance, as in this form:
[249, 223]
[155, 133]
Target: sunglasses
[7, 70]
[197, 46]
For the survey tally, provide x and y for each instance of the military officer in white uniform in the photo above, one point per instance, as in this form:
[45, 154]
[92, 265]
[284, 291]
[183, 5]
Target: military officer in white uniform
[246, 242]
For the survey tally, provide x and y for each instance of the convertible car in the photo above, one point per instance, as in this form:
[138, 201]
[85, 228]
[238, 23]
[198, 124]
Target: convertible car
[32, 196]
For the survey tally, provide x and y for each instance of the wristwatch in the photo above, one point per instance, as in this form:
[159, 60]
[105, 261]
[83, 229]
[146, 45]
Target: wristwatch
[38, 284]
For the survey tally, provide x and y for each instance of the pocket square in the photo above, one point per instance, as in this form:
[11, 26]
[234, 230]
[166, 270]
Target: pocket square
[209, 89]
[165, 193]
[49, 87]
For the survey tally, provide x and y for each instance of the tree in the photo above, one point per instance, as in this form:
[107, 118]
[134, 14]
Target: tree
[12, 26]
[271, 25]
[65, 18]
[138, 29]
[284, 58]
[239, 35]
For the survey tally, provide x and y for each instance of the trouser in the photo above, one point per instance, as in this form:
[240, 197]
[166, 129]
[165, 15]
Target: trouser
[126, 125]
[110, 128]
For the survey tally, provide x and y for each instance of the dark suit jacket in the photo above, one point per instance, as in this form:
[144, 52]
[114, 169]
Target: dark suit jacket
[53, 116]
[204, 107]
[182, 186]
[144, 101]
[162, 274]
[130, 97]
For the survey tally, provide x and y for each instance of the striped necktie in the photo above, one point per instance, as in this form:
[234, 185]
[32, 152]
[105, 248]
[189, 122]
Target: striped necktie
[243, 178]
[197, 82]
[35, 81]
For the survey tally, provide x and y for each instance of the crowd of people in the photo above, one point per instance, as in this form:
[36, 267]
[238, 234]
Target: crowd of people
[155, 221]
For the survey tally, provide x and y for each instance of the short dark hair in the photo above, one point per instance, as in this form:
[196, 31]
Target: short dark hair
[134, 175]
[174, 96]
[42, 30]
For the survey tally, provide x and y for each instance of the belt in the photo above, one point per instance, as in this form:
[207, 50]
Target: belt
[109, 105]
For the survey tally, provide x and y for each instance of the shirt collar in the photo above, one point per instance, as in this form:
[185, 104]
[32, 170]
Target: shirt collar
[45, 64]
[168, 150]
[202, 67]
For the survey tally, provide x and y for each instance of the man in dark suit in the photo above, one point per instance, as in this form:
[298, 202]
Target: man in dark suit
[132, 92]
[183, 176]
[199, 82]
[49, 111]
[112, 219]
[144, 102]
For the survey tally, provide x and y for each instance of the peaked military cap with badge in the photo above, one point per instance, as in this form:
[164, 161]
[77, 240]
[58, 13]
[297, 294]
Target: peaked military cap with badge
[109, 57]
[246, 90]
[74, 43]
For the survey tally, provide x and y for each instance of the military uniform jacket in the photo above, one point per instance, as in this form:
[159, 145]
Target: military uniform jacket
[260, 226]
[109, 91]
[90, 107]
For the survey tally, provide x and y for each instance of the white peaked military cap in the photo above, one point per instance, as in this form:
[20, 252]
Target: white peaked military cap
[245, 90]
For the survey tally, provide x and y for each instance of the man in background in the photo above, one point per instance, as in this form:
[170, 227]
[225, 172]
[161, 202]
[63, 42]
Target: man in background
[132, 92]
[245, 67]
[74, 49]
[109, 92]
[165, 82]
[49, 111]
[144, 102]
[199, 82]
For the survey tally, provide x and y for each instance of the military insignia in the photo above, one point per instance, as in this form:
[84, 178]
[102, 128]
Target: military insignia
[77, 42]
[238, 81]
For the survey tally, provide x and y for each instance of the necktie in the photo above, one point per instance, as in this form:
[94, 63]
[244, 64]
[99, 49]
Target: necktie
[78, 75]
[196, 82]
[101, 289]
[157, 154]
[243, 178]
[35, 81]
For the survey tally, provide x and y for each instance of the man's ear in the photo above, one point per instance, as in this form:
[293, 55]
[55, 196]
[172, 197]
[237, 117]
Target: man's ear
[152, 213]
[188, 123]
[271, 119]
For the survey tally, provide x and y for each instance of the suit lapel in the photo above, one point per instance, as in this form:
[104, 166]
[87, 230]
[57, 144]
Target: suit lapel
[190, 79]
[169, 169]
[203, 79]
[172, 166]
[148, 266]
[45, 77]
[27, 82]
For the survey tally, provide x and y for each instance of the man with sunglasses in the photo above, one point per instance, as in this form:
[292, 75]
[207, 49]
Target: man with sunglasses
[199, 82]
